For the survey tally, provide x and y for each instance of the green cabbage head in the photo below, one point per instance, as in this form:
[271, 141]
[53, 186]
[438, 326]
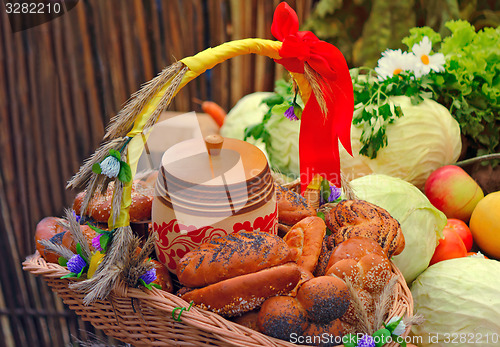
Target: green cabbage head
[422, 224]
[460, 302]
[425, 138]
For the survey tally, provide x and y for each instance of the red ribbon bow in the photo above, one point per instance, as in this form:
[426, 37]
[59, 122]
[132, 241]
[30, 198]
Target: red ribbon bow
[319, 133]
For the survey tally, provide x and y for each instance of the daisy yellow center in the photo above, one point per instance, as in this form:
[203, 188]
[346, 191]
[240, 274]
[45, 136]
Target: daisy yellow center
[397, 71]
[425, 59]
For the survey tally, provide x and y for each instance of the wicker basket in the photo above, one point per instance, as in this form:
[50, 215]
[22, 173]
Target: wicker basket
[144, 318]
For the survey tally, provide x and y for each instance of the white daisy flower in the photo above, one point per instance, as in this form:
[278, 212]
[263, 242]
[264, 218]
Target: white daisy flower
[400, 328]
[393, 62]
[424, 61]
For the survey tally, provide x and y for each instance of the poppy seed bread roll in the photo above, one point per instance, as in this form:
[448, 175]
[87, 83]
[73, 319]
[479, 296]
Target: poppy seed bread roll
[230, 256]
[292, 207]
[240, 294]
[359, 218]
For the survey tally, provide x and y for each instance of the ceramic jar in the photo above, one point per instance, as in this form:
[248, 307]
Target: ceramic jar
[210, 187]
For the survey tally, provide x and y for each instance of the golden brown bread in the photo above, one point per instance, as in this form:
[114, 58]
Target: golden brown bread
[162, 276]
[363, 262]
[323, 258]
[249, 320]
[372, 272]
[282, 316]
[324, 298]
[320, 302]
[49, 228]
[292, 207]
[354, 248]
[366, 301]
[304, 277]
[70, 243]
[360, 218]
[329, 334]
[99, 208]
[305, 240]
[230, 256]
[234, 296]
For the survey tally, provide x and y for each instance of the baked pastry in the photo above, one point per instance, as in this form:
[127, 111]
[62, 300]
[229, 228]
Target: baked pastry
[326, 335]
[163, 278]
[362, 263]
[304, 277]
[292, 207]
[305, 240]
[230, 256]
[99, 208]
[240, 294]
[249, 320]
[70, 243]
[324, 298]
[354, 248]
[49, 228]
[320, 301]
[360, 218]
[324, 257]
[282, 316]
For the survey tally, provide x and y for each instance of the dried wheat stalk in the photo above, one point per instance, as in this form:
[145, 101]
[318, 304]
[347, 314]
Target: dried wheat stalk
[121, 124]
[382, 304]
[58, 249]
[363, 323]
[109, 270]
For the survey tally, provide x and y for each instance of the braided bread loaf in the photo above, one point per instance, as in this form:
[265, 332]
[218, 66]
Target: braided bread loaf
[360, 218]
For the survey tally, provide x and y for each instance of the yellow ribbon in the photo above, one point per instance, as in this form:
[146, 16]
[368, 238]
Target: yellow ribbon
[197, 65]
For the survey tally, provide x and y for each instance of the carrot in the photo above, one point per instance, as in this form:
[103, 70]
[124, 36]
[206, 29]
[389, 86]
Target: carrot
[215, 111]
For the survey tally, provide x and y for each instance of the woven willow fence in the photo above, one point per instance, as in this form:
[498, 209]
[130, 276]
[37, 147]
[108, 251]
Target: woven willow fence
[59, 85]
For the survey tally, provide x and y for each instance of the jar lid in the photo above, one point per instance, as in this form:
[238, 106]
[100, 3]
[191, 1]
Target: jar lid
[214, 175]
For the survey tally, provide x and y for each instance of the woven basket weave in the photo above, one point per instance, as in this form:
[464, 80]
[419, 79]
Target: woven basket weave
[144, 318]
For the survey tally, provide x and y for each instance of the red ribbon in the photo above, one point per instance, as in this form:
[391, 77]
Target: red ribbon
[319, 134]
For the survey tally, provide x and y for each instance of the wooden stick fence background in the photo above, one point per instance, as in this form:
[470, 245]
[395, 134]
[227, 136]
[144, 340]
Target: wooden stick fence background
[60, 83]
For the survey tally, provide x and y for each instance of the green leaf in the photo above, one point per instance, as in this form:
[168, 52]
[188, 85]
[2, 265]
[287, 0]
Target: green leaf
[417, 34]
[325, 190]
[150, 285]
[125, 174]
[96, 229]
[115, 154]
[350, 340]
[273, 99]
[400, 340]
[96, 168]
[381, 337]
[281, 108]
[62, 261]
[256, 131]
[298, 111]
[80, 252]
[84, 269]
[393, 325]
[320, 215]
[104, 241]
[70, 275]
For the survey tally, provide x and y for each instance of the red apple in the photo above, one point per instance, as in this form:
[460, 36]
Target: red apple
[451, 190]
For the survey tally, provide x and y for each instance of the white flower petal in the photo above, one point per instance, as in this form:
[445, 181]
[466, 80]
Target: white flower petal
[393, 62]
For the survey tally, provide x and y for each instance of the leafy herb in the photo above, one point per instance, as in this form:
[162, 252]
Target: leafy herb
[280, 101]
[470, 85]
[373, 110]
[469, 88]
